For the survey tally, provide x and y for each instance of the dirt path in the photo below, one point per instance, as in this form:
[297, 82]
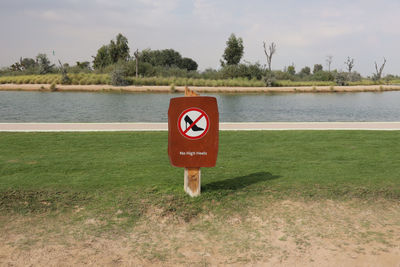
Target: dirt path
[200, 89]
[272, 233]
[224, 126]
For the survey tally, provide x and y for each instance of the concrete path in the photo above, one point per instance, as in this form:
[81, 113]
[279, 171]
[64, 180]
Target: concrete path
[226, 126]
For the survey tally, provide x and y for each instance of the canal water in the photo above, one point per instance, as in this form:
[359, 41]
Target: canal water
[17, 106]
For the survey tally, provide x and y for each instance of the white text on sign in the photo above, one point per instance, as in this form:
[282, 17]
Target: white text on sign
[193, 153]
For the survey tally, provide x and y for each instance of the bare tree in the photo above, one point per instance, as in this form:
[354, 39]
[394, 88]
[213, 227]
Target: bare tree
[137, 61]
[65, 79]
[378, 75]
[329, 62]
[349, 64]
[269, 53]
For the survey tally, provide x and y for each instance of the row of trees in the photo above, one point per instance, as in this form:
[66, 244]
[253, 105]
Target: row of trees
[41, 65]
[112, 53]
[234, 51]
[118, 51]
[115, 58]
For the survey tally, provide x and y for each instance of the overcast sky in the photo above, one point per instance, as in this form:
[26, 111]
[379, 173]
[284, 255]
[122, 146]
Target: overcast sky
[305, 32]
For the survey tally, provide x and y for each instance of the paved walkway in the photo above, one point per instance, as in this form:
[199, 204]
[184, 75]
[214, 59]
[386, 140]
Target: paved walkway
[228, 126]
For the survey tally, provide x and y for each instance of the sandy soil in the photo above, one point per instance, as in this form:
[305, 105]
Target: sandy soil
[167, 89]
[272, 233]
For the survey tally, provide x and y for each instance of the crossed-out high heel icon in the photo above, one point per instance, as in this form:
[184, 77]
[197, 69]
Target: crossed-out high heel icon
[188, 122]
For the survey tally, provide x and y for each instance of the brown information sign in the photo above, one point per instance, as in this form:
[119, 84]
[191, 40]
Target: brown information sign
[193, 124]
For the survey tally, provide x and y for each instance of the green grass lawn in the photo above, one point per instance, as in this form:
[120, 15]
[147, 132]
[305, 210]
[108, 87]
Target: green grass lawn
[107, 172]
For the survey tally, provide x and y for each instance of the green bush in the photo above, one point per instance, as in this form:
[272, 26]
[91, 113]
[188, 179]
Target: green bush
[137, 81]
[74, 80]
[322, 76]
[181, 81]
[341, 78]
[282, 75]
[49, 80]
[41, 79]
[160, 81]
[325, 79]
[248, 71]
[209, 83]
[118, 77]
[105, 79]
[172, 88]
[354, 77]
[65, 79]
[83, 81]
[53, 87]
[211, 74]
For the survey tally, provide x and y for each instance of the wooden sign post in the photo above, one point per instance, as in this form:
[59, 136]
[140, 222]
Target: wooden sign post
[193, 125]
[192, 176]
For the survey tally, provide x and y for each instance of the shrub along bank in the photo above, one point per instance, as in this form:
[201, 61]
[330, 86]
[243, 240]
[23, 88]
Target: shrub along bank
[94, 78]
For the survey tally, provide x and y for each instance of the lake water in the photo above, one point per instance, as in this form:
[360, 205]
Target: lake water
[150, 107]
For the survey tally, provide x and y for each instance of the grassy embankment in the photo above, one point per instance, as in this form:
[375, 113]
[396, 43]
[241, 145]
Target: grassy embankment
[89, 79]
[275, 198]
[129, 173]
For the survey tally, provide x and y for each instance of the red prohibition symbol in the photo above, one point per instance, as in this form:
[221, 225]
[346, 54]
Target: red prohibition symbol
[193, 123]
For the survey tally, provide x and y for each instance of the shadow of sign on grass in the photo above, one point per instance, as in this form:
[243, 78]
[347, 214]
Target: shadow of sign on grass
[240, 182]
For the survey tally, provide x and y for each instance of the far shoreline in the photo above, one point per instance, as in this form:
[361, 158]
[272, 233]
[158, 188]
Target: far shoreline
[200, 89]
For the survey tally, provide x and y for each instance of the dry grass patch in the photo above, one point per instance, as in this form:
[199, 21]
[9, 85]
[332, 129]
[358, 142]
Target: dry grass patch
[271, 232]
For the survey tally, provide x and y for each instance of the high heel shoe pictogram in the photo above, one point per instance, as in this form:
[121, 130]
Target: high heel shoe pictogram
[188, 122]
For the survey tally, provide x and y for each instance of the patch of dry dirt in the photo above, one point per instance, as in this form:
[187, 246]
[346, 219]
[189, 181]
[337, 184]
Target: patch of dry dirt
[272, 233]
